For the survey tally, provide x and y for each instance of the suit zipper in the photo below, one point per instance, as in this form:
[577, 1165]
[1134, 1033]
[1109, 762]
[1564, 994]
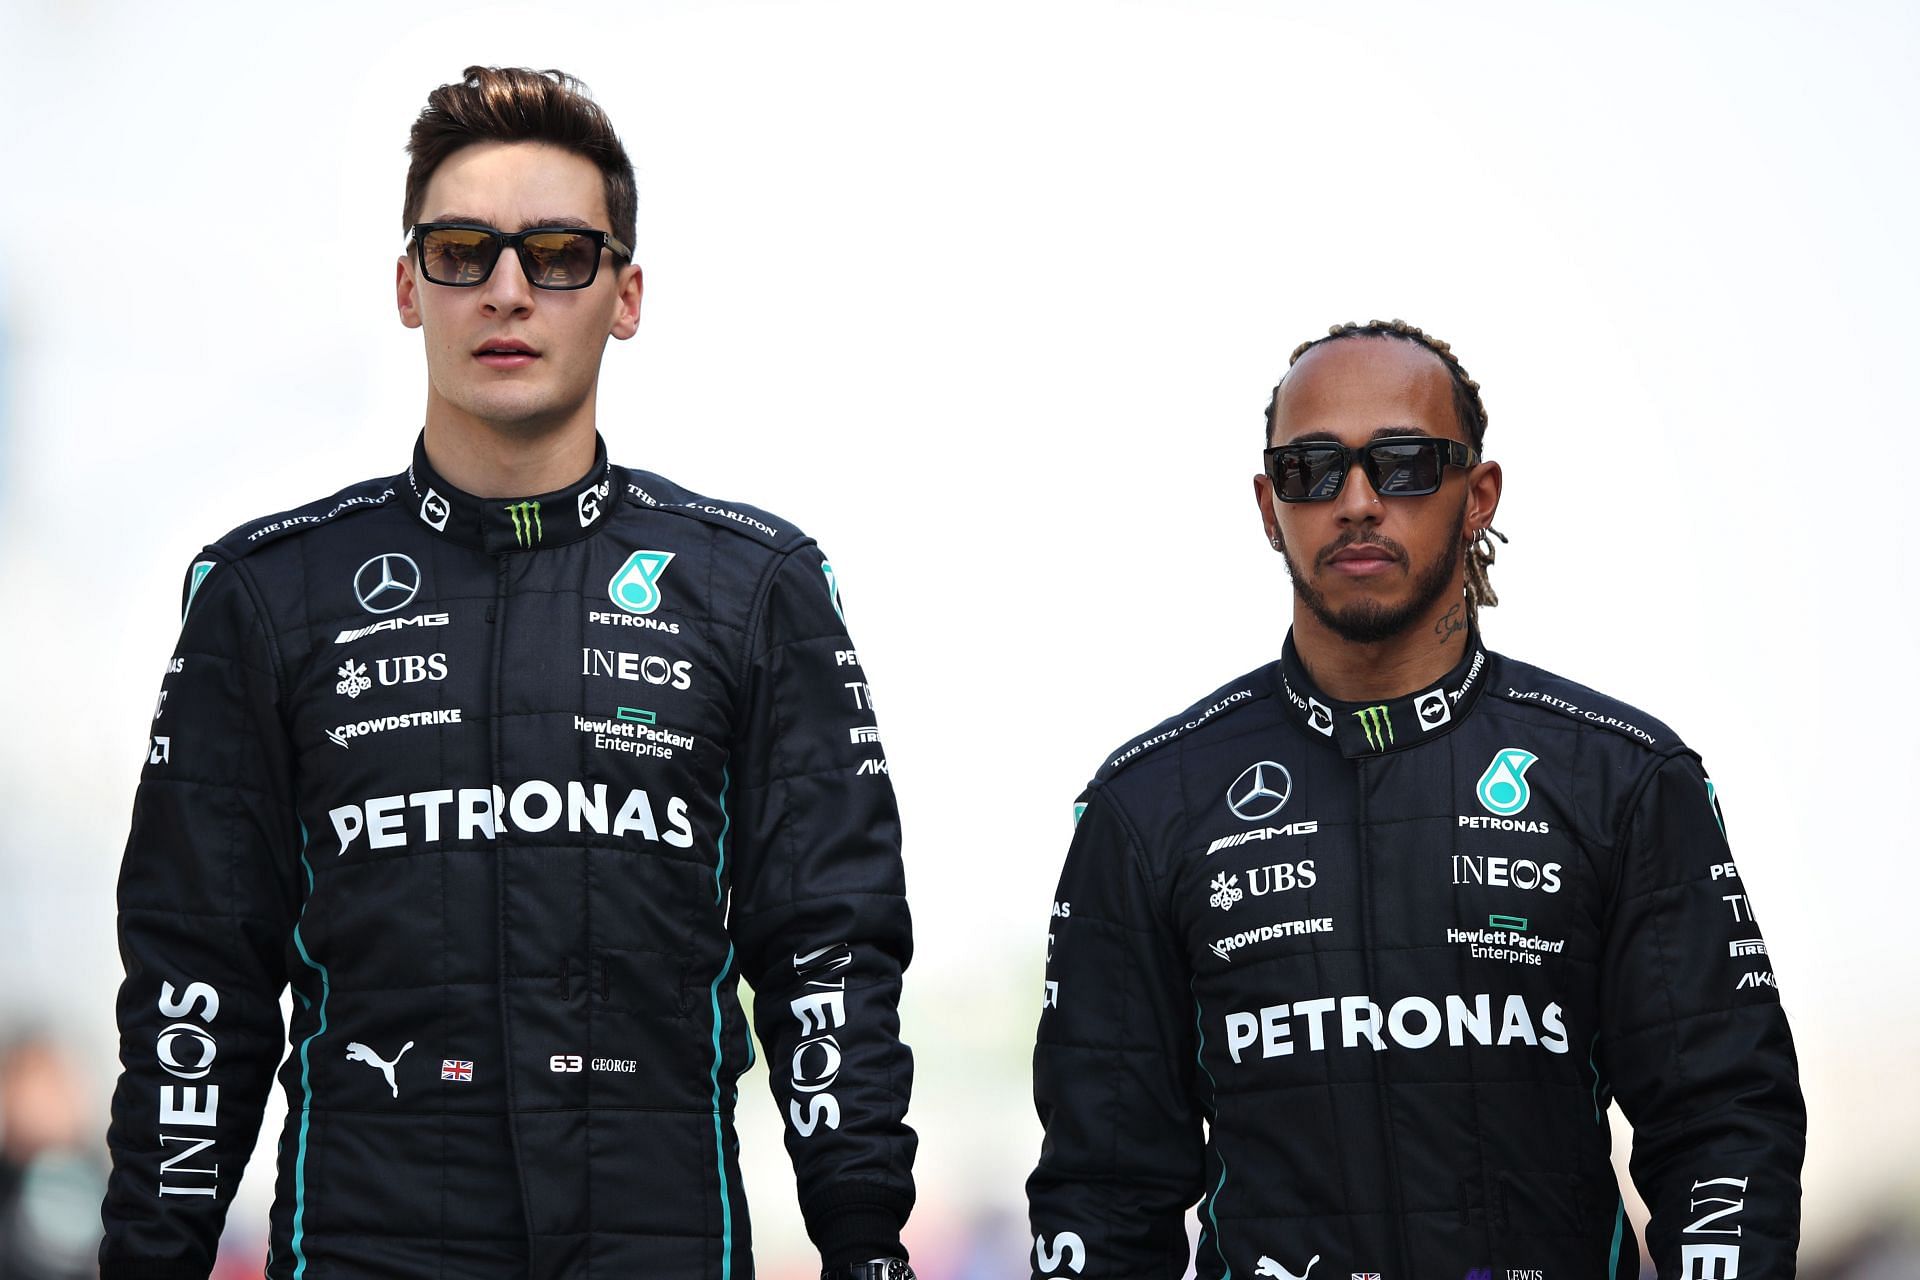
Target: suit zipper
[1381, 1083]
[496, 619]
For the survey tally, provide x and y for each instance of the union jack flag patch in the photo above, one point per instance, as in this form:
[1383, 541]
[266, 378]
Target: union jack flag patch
[461, 1071]
[1366, 1275]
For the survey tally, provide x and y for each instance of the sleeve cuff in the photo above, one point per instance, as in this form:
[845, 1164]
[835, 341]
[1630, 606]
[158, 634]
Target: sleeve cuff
[856, 1226]
[149, 1269]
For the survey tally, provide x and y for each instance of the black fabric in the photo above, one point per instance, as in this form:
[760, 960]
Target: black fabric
[1362, 980]
[512, 797]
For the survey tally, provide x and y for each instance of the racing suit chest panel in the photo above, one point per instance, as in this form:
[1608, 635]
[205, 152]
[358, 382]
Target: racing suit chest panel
[1283, 892]
[1458, 916]
[1482, 940]
[591, 714]
[631, 726]
[536, 771]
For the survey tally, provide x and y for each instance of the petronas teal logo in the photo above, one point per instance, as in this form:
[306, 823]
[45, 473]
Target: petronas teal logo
[833, 592]
[1378, 724]
[1503, 787]
[636, 587]
[201, 568]
[526, 522]
[1713, 798]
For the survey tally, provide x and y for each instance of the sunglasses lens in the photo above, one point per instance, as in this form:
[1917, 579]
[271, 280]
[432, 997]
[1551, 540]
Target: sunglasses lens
[1308, 473]
[1405, 470]
[454, 255]
[561, 259]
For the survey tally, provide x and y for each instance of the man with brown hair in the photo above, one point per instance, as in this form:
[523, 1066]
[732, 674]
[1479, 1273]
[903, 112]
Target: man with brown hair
[511, 765]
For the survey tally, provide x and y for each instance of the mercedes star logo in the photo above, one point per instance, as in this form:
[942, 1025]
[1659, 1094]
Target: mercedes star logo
[1260, 792]
[386, 583]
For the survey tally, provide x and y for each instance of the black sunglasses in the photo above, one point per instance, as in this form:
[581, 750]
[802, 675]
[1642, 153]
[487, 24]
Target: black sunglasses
[1396, 466]
[462, 254]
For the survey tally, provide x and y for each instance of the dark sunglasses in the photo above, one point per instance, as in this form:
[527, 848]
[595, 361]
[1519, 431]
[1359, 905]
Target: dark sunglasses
[1396, 466]
[462, 254]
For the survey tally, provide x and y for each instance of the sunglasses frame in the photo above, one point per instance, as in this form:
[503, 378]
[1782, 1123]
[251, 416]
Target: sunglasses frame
[1453, 453]
[517, 241]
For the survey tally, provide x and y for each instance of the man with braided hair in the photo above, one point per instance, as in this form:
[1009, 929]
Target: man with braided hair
[1357, 949]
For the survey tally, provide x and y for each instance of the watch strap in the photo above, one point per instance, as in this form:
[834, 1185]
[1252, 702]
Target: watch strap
[876, 1269]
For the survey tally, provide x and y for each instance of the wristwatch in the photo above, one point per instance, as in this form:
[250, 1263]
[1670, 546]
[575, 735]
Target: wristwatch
[878, 1269]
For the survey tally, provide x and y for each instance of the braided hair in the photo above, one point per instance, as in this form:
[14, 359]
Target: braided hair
[1467, 408]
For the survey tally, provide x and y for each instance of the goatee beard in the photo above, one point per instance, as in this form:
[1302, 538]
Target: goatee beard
[1370, 622]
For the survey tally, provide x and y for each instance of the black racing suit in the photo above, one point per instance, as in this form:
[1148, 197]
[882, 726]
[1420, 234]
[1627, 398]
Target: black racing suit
[1396, 959]
[512, 793]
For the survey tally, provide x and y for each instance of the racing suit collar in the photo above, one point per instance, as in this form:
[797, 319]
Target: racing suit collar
[1393, 724]
[498, 525]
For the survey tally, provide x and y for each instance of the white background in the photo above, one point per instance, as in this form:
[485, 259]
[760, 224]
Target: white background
[989, 298]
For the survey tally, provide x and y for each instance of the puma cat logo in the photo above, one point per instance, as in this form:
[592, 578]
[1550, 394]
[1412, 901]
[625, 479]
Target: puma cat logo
[357, 1052]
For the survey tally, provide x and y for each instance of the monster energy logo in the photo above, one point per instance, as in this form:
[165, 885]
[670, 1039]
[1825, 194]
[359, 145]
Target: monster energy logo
[1378, 723]
[526, 522]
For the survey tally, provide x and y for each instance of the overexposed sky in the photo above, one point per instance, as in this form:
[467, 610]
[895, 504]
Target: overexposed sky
[988, 297]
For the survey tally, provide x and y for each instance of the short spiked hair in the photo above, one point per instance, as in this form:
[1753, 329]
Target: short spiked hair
[515, 104]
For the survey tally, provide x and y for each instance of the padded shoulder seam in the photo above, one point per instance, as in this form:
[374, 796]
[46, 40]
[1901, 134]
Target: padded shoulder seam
[368, 495]
[752, 651]
[760, 527]
[1521, 685]
[1234, 696]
